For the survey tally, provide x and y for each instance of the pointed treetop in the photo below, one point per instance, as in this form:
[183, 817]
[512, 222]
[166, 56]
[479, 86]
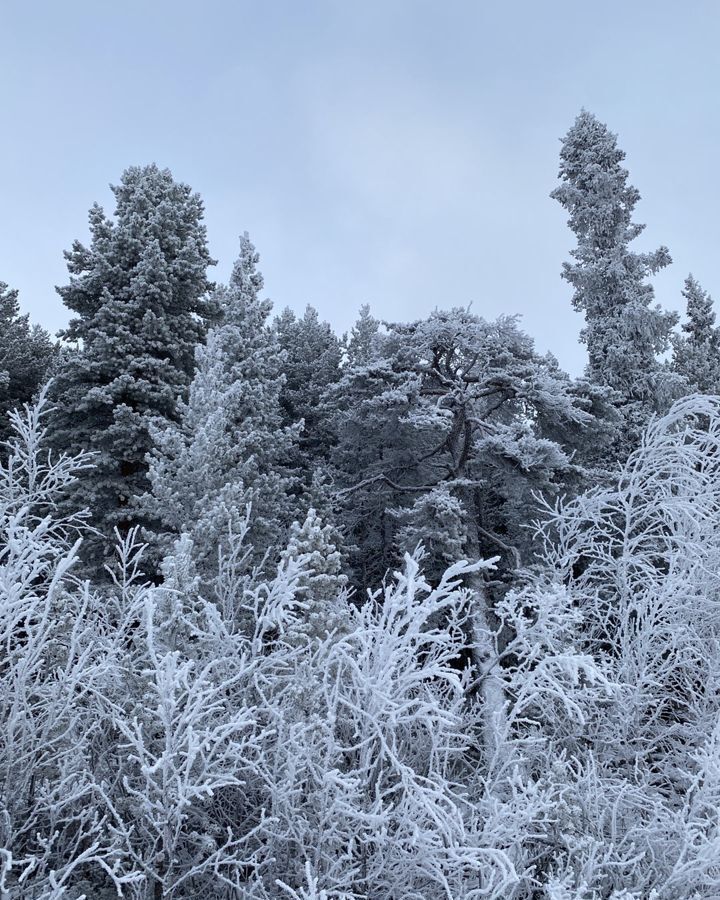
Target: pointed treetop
[240, 300]
[245, 275]
[362, 336]
[700, 312]
[595, 189]
[696, 355]
[589, 142]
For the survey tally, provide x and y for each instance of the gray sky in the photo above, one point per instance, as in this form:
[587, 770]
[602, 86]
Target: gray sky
[396, 153]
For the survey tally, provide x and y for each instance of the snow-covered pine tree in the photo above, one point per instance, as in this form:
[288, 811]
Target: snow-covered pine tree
[322, 590]
[448, 407]
[26, 354]
[140, 294]
[312, 363]
[359, 346]
[230, 447]
[625, 335]
[440, 442]
[696, 355]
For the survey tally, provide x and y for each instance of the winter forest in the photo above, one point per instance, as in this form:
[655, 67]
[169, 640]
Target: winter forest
[401, 614]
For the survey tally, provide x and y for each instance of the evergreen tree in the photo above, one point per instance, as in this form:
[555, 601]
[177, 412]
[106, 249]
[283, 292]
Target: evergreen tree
[312, 363]
[436, 520]
[373, 441]
[446, 424]
[139, 292]
[363, 334]
[321, 592]
[230, 447]
[696, 354]
[624, 333]
[26, 355]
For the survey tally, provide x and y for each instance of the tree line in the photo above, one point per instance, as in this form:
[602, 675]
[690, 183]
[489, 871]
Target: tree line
[406, 612]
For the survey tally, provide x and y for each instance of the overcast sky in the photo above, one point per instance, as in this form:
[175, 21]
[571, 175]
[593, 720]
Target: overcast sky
[395, 153]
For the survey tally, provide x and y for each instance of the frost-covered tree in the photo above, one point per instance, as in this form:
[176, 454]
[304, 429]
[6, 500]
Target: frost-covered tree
[624, 333]
[230, 447]
[696, 353]
[440, 442]
[626, 596]
[312, 363]
[321, 591]
[54, 831]
[359, 348]
[26, 355]
[448, 415]
[139, 292]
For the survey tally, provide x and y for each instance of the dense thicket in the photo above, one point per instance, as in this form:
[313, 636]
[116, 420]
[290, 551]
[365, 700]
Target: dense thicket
[406, 614]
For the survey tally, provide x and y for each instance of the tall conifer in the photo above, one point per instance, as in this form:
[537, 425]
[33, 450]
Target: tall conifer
[230, 447]
[624, 333]
[139, 292]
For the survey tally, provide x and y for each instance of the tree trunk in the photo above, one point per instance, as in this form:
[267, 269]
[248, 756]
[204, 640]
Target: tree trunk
[486, 666]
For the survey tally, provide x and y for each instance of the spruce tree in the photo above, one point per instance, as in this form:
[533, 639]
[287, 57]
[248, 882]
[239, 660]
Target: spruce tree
[26, 355]
[696, 354]
[624, 334]
[229, 448]
[139, 291]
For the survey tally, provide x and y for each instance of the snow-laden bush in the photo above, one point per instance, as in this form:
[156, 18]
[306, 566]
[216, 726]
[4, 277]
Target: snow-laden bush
[613, 670]
[366, 773]
[54, 665]
[642, 561]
